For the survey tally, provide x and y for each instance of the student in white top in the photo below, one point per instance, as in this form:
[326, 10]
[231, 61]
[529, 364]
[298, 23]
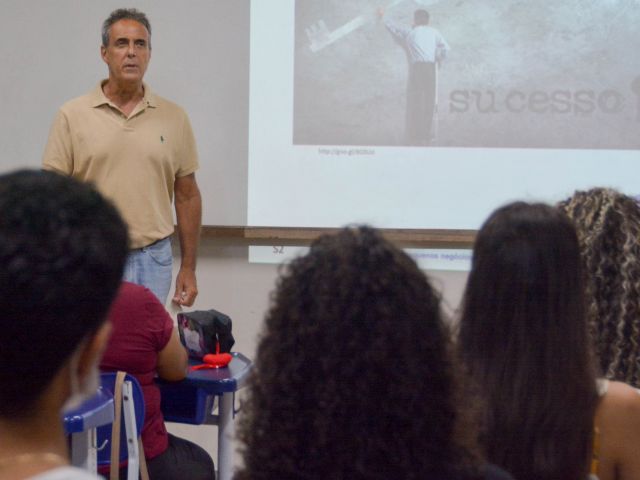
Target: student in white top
[62, 252]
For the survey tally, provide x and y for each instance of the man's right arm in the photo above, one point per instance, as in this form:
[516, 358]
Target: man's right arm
[397, 31]
[58, 153]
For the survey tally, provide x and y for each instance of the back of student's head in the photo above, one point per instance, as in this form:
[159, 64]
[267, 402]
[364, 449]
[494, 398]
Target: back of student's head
[608, 226]
[62, 251]
[524, 342]
[353, 377]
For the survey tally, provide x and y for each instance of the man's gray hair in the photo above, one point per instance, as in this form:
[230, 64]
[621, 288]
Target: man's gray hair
[124, 14]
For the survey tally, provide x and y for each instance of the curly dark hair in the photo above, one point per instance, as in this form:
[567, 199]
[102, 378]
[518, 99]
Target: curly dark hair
[524, 342]
[608, 225]
[62, 251]
[353, 376]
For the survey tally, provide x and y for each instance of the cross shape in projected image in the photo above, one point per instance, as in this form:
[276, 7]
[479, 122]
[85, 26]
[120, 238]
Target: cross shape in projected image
[320, 36]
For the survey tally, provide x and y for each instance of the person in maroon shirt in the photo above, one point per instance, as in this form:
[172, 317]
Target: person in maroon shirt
[144, 343]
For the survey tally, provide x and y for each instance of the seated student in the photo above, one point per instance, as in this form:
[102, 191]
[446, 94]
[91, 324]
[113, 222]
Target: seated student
[353, 378]
[62, 253]
[144, 343]
[608, 226]
[524, 342]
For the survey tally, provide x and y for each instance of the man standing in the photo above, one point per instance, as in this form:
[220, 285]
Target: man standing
[139, 150]
[425, 48]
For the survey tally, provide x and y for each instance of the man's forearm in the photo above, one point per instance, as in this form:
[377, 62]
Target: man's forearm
[189, 217]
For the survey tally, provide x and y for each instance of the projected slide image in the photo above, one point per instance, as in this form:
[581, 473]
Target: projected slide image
[513, 74]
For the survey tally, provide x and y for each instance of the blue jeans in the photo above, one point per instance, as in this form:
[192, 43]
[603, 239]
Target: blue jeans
[151, 267]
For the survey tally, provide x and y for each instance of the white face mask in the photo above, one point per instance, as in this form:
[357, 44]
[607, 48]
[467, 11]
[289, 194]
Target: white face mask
[81, 392]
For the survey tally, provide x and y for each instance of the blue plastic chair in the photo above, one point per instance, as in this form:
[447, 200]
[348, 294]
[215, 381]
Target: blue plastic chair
[82, 423]
[132, 419]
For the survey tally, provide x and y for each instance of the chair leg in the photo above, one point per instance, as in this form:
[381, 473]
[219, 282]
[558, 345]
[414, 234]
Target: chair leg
[129, 413]
[81, 449]
[226, 432]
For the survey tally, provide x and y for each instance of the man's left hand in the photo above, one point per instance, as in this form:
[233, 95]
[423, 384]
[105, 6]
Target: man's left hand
[186, 288]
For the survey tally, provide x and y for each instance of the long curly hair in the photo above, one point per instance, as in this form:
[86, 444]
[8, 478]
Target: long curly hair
[608, 226]
[353, 378]
[524, 342]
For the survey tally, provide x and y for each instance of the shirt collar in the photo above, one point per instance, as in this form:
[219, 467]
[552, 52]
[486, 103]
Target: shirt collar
[98, 98]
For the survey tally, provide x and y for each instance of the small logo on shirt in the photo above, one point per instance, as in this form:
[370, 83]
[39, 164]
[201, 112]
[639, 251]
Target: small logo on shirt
[162, 138]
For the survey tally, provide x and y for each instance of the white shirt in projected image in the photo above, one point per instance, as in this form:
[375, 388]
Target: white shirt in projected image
[422, 43]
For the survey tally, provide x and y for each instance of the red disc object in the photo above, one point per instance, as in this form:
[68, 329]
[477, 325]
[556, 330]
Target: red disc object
[217, 360]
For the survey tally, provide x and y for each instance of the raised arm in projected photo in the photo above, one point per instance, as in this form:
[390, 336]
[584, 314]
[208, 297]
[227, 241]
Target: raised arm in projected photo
[542, 74]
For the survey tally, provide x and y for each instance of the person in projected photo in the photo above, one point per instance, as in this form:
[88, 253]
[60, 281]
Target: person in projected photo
[426, 48]
[139, 150]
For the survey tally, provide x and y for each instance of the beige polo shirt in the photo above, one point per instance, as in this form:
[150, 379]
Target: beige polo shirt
[132, 160]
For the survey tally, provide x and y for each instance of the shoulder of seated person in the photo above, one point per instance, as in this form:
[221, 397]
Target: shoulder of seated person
[620, 391]
[621, 401]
